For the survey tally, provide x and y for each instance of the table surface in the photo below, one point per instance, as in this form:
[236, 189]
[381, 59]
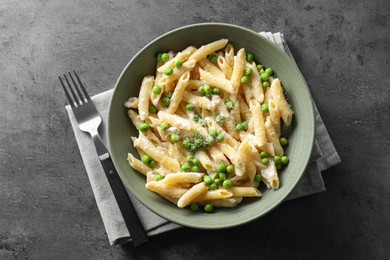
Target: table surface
[47, 207]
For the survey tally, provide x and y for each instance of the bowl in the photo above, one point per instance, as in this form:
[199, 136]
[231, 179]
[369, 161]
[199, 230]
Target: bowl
[301, 134]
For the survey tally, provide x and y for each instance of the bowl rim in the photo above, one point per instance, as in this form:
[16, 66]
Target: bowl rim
[255, 216]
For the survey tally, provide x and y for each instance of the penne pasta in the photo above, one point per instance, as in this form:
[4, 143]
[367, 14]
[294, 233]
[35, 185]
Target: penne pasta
[205, 134]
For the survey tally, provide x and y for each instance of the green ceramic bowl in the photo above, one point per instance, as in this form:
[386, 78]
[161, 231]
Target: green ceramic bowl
[301, 134]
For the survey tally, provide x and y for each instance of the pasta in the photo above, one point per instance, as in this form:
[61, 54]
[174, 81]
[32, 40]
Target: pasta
[210, 127]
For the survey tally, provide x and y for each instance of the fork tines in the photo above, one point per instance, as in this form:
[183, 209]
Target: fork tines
[76, 101]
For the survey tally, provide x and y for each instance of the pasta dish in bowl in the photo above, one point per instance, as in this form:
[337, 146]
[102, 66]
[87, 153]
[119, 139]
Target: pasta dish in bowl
[211, 118]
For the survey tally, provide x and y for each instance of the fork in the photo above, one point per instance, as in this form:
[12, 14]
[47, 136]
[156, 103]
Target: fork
[88, 120]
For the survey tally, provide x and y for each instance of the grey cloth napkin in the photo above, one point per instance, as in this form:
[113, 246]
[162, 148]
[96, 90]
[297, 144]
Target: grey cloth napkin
[324, 156]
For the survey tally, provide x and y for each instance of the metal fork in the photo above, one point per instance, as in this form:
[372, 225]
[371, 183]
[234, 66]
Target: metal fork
[89, 120]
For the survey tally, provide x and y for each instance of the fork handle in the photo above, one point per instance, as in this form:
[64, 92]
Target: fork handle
[126, 207]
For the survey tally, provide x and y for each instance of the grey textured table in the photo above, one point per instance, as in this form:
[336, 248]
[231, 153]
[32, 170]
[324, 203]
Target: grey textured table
[47, 210]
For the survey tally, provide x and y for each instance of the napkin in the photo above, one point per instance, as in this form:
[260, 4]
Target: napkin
[324, 156]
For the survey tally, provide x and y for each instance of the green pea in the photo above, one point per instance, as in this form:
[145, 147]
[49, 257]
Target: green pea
[230, 169]
[168, 71]
[265, 161]
[248, 71]
[189, 158]
[175, 138]
[196, 162]
[229, 104]
[156, 89]
[227, 184]
[185, 167]
[195, 168]
[193, 148]
[194, 207]
[164, 126]
[178, 63]
[218, 181]
[258, 178]
[159, 177]
[165, 57]
[265, 84]
[152, 164]
[197, 135]
[213, 133]
[279, 166]
[213, 58]
[239, 127]
[245, 125]
[196, 118]
[264, 108]
[201, 89]
[283, 141]
[145, 158]
[158, 57]
[259, 67]
[277, 159]
[213, 186]
[285, 160]
[198, 142]
[202, 122]
[222, 176]
[166, 101]
[190, 107]
[207, 179]
[221, 168]
[144, 127]
[170, 94]
[219, 119]
[269, 71]
[208, 208]
[264, 76]
[264, 154]
[221, 138]
[245, 79]
[217, 91]
[249, 57]
[152, 109]
[186, 143]
[207, 90]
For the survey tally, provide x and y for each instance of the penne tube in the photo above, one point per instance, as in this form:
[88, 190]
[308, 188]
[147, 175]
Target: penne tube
[225, 67]
[270, 176]
[166, 189]
[145, 145]
[211, 68]
[183, 56]
[277, 94]
[178, 93]
[137, 164]
[273, 137]
[245, 192]
[258, 122]
[274, 114]
[183, 177]
[213, 195]
[204, 160]
[245, 151]
[216, 81]
[238, 69]
[256, 86]
[205, 50]
[144, 95]
[191, 194]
